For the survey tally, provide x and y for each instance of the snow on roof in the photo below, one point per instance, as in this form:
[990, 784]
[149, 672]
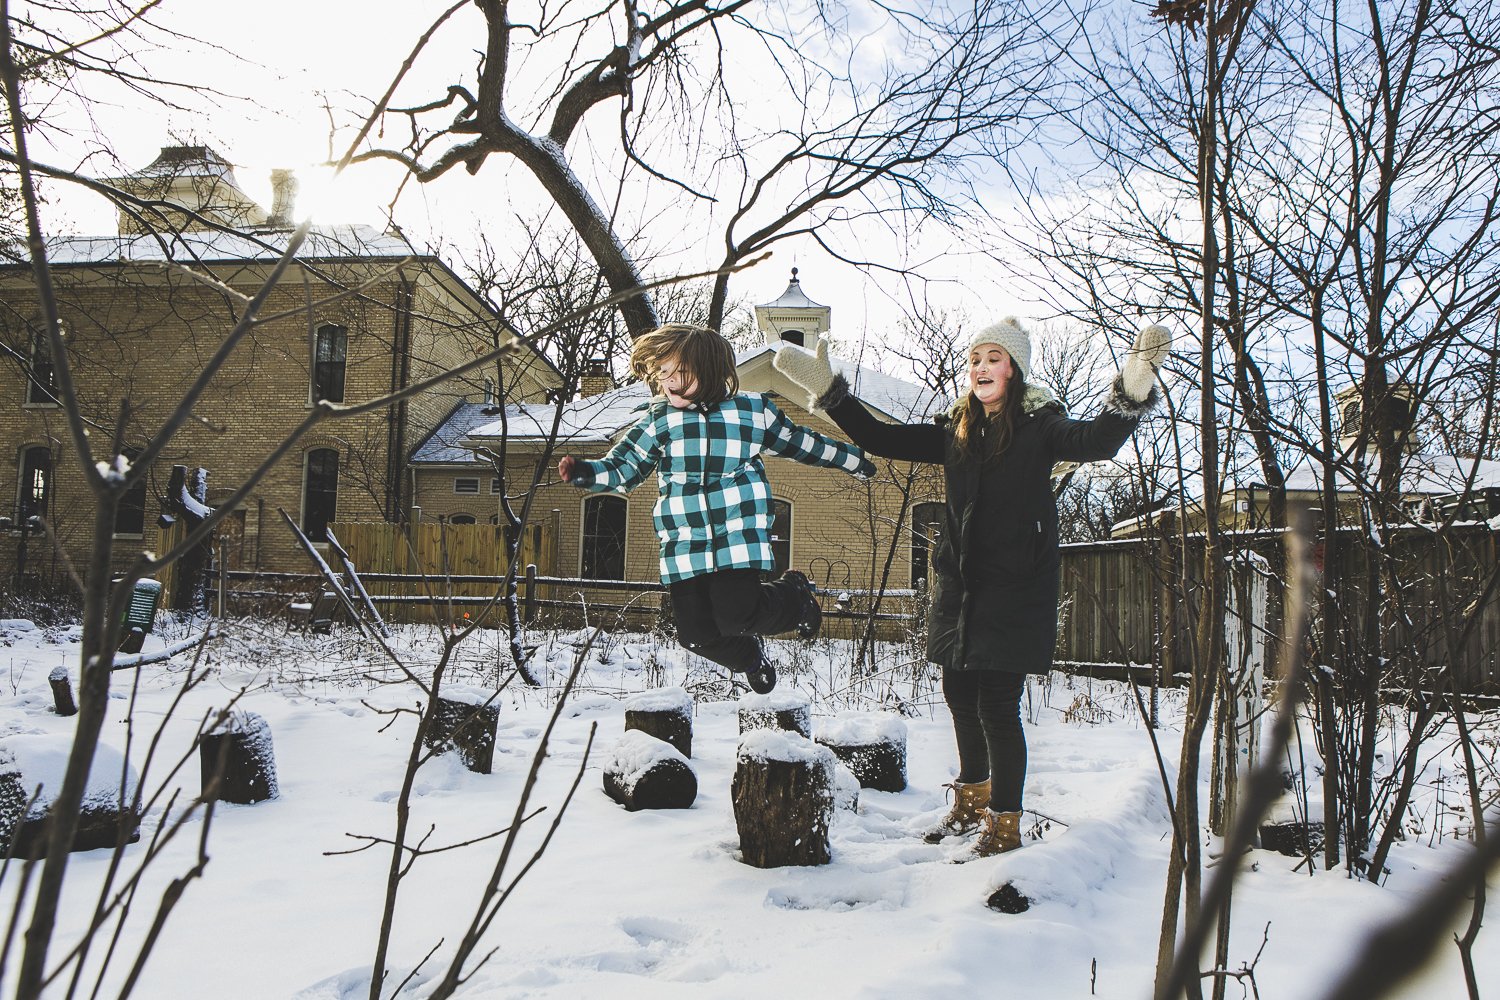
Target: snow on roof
[323, 242]
[599, 418]
[1421, 473]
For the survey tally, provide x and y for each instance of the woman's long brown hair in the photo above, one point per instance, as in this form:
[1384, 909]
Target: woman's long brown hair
[982, 437]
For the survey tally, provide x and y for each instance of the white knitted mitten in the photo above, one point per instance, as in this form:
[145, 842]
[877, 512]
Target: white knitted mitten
[1138, 373]
[810, 370]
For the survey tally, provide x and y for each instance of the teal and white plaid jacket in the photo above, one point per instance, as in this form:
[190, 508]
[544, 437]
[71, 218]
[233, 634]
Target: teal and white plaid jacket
[714, 507]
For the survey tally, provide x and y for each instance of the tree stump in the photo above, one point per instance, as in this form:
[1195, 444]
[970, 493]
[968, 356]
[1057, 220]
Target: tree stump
[783, 799]
[108, 817]
[62, 691]
[1008, 899]
[845, 787]
[467, 724]
[777, 710]
[237, 761]
[644, 772]
[873, 745]
[666, 713]
[1295, 839]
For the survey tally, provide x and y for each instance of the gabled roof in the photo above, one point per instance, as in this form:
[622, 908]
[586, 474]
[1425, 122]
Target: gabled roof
[353, 242]
[1421, 474]
[599, 418]
[339, 242]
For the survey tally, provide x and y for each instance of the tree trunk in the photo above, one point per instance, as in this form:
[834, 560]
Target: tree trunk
[237, 760]
[467, 727]
[649, 773]
[783, 800]
[666, 714]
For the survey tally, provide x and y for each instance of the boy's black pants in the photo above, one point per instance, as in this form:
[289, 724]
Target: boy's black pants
[722, 615]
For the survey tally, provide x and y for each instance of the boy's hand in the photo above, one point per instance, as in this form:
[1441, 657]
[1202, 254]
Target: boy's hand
[565, 468]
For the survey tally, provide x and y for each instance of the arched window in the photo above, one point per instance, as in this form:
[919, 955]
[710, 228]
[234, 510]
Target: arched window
[781, 535]
[329, 350]
[130, 516]
[41, 374]
[35, 489]
[320, 492]
[603, 538]
[462, 519]
[927, 522]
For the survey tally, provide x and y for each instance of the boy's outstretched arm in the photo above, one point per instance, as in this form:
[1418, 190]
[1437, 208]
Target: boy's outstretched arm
[625, 467]
[807, 446]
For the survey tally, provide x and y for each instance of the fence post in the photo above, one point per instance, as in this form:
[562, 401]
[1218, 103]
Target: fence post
[223, 582]
[528, 596]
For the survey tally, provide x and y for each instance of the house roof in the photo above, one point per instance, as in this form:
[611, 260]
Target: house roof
[353, 242]
[1421, 474]
[599, 418]
[338, 242]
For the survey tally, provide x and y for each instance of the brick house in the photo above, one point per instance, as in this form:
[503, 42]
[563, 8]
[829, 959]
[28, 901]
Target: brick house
[359, 313]
[837, 529]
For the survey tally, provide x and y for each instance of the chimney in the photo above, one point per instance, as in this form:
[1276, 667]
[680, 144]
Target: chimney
[283, 197]
[595, 378]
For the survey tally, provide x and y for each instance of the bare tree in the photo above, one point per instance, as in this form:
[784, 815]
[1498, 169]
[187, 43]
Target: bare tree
[848, 153]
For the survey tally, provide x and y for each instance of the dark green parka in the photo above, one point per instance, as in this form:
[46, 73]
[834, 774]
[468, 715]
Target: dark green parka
[995, 580]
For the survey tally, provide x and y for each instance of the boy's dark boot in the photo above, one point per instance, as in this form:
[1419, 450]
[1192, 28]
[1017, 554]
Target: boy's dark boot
[970, 802]
[762, 676]
[809, 611]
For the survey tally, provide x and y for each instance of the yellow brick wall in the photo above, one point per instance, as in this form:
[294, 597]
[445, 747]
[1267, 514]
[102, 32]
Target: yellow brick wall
[834, 516]
[144, 333]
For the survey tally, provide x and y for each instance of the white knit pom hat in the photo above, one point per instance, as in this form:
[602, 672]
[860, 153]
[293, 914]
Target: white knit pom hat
[1011, 335]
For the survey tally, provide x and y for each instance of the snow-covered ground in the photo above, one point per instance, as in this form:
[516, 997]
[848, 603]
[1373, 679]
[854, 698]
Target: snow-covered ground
[657, 904]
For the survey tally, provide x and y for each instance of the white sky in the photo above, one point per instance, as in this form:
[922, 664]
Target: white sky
[279, 67]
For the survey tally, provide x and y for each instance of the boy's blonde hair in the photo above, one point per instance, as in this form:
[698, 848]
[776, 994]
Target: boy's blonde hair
[701, 352]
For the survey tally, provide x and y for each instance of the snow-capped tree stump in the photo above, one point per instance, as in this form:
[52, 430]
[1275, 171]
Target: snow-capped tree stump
[644, 772]
[108, 817]
[872, 744]
[62, 691]
[464, 722]
[783, 793]
[237, 761]
[666, 713]
[777, 710]
[845, 787]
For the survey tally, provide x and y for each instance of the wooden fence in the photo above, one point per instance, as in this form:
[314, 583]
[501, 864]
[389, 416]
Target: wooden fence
[1132, 601]
[1128, 602]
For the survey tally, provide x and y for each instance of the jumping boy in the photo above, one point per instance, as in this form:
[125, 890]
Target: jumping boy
[713, 515]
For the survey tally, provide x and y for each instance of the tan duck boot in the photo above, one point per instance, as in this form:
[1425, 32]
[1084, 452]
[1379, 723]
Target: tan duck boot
[969, 804]
[999, 832]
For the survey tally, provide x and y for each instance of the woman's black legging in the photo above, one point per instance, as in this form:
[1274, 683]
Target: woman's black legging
[986, 707]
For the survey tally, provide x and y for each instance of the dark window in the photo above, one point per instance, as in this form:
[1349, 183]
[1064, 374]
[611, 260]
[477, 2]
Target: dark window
[781, 535]
[41, 385]
[462, 519]
[36, 484]
[604, 538]
[466, 485]
[1351, 418]
[130, 516]
[927, 520]
[328, 363]
[320, 492]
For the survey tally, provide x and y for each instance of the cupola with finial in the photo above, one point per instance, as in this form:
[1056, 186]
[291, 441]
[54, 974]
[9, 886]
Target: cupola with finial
[794, 317]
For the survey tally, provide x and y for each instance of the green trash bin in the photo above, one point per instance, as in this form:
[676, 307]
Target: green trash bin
[140, 614]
